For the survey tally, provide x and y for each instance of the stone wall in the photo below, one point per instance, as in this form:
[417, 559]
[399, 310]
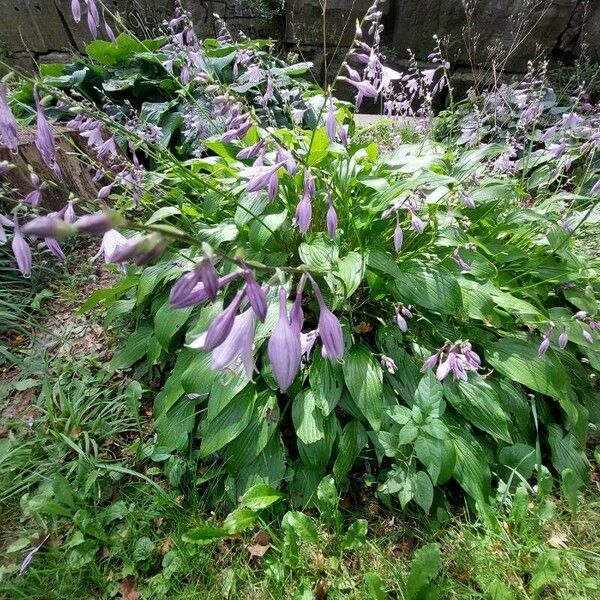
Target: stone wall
[43, 30]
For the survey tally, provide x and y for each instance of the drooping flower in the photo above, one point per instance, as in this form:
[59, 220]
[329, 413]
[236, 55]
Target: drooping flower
[76, 10]
[563, 339]
[331, 219]
[48, 227]
[587, 336]
[256, 296]
[141, 249]
[93, 18]
[416, 223]
[285, 156]
[252, 151]
[284, 348]
[303, 214]
[468, 200]
[69, 215]
[44, 140]
[189, 290]
[458, 359]
[110, 34]
[330, 330]
[398, 235]
[543, 347]
[461, 263]
[55, 248]
[9, 132]
[260, 177]
[96, 223]
[221, 325]
[112, 241]
[209, 277]
[21, 250]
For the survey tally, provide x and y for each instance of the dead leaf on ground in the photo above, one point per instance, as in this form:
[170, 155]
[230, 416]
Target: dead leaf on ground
[558, 540]
[166, 545]
[259, 546]
[321, 588]
[127, 590]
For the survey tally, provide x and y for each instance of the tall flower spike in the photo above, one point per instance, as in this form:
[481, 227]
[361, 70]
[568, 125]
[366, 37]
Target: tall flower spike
[329, 327]
[284, 348]
[21, 250]
[221, 326]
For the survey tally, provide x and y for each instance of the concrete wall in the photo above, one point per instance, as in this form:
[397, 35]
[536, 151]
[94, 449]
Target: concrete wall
[43, 30]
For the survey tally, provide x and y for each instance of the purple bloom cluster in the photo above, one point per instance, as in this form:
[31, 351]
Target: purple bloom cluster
[458, 358]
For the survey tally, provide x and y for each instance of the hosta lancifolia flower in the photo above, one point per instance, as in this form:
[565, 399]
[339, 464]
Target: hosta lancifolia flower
[330, 121]
[209, 277]
[48, 227]
[398, 235]
[331, 220]
[456, 359]
[221, 325]
[112, 241]
[44, 139]
[330, 330]
[284, 348]
[9, 133]
[21, 250]
[256, 296]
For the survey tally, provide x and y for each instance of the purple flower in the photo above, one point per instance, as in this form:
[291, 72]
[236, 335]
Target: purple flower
[331, 123]
[456, 257]
[398, 235]
[76, 10]
[21, 250]
[55, 248]
[9, 132]
[96, 223]
[209, 277]
[364, 88]
[430, 362]
[284, 348]
[543, 348]
[238, 344]
[443, 369]
[331, 220]
[468, 200]
[303, 214]
[112, 241]
[34, 197]
[221, 326]
[189, 291]
[296, 313]
[69, 215]
[285, 156]
[141, 249]
[261, 176]
[256, 296]
[596, 188]
[416, 223]
[48, 227]
[93, 18]
[401, 321]
[587, 336]
[330, 330]
[563, 340]
[44, 140]
[252, 151]
[109, 32]
[581, 315]
[343, 133]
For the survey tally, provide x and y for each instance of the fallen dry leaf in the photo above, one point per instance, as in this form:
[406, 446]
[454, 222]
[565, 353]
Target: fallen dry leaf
[166, 545]
[321, 588]
[259, 546]
[558, 540]
[128, 589]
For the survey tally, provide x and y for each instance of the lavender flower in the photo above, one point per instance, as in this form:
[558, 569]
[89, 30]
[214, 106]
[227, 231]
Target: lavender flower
[209, 277]
[238, 344]
[416, 223]
[69, 215]
[93, 18]
[284, 348]
[398, 235]
[112, 241]
[563, 339]
[221, 326]
[189, 291]
[261, 177]
[76, 10]
[596, 188]
[96, 223]
[44, 140]
[303, 214]
[140, 249]
[587, 336]
[256, 296]
[252, 151]
[48, 227]
[401, 321]
[110, 34]
[296, 313]
[330, 330]
[468, 200]
[458, 359]
[9, 132]
[21, 250]
[456, 257]
[543, 347]
[55, 248]
[331, 219]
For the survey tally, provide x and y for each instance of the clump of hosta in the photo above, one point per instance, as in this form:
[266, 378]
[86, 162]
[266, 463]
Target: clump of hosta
[310, 306]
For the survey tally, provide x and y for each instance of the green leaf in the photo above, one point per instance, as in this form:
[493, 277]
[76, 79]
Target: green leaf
[134, 350]
[229, 423]
[376, 589]
[364, 380]
[356, 536]
[569, 486]
[168, 321]
[239, 520]
[327, 497]
[302, 525]
[471, 469]
[260, 496]
[567, 452]
[428, 286]
[547, 569]
[519, 361]
[317, 454]
[205, 534]
[478, 402]
[424, 568]
[422, 490]
[320, 253]
[429, 396]
[354, 439]
[163, 213]
[307, 418]
[326, 382]
[351, 270]
[438, 456]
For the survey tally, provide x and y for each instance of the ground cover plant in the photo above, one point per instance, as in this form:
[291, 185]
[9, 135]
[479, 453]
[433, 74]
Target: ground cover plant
[312, 316]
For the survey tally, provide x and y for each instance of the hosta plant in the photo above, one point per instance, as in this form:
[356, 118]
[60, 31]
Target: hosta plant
[307, 306]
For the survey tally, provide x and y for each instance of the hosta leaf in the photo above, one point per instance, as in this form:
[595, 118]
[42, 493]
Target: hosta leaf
[320, 253]
[354, 439]
[471, 469]
[424, 568]
[302, 525]
[438, 456]
[428, 286]
[519, 361]
[229, 423]
[326, 382]
[168, 321]
[307, 418]
[478, 402]
[134, 349]
[349, 273]
[364, 380]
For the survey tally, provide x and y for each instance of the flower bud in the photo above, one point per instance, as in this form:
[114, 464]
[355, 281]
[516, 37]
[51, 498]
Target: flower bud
[48, 227]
